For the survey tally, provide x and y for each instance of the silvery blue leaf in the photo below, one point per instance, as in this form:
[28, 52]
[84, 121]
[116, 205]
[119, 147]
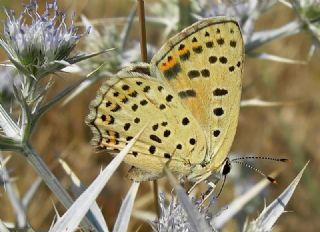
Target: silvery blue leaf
[124, 214]
[273, 211]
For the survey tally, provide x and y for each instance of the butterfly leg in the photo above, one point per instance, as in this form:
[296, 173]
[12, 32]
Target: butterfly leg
[209, 192]
[201, 178]
[194, 186]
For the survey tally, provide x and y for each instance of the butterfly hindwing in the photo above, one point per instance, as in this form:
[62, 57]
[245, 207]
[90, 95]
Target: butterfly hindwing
[131, 100]
[203, 64]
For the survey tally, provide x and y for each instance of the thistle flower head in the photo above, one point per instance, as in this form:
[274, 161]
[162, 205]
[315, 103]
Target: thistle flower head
[34, 41]
[173, 217]
[309, 12]
[245, 11]
[96, 41]
[307, 8]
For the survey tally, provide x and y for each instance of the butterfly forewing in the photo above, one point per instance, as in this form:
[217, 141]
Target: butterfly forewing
[203, 65]
[132, 100]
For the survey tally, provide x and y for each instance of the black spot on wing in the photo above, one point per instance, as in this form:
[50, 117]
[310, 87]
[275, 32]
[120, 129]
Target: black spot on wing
[209, 44]
[108, 103]
[125, 87]
[185, 121]
[220, 92]
[187, 93]
[216, 133]
[155, 138]
[185, 56]
[155, 127]
[162, 106]
[223, 60]
[152, 149]
[220, 41]
[166, 133]
[181, 47]
[205, 73]
[116, 108]
[233, 43]
[134, 107]
[143, 102]
[179, 146]
[124, 100]
[160, 88]
[192, 141]
[218, 111]
[212, 59]
[193, 74]
[146, 89]
[133, 94]
[164, 124]
[111, 120]
[169, 98]
[167, 155]
[126, 126]
[197, 49]
[173, 71]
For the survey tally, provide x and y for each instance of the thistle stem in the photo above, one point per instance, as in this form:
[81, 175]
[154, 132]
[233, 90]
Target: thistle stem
[144, 58]
[54, 185]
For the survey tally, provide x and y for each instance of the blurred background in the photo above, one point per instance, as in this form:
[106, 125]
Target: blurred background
[291, 130]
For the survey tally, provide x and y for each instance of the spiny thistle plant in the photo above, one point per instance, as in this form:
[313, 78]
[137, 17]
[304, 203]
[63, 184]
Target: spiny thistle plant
[40, 45]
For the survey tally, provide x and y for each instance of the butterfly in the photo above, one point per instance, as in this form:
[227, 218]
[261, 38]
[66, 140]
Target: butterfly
[188, 98]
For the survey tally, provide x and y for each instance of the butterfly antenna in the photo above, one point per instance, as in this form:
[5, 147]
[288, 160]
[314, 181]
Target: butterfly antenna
[260, 157]
[236, 160]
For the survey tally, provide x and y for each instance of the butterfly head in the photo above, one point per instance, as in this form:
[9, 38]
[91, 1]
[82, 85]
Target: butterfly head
[201, 172]
[226, 167]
